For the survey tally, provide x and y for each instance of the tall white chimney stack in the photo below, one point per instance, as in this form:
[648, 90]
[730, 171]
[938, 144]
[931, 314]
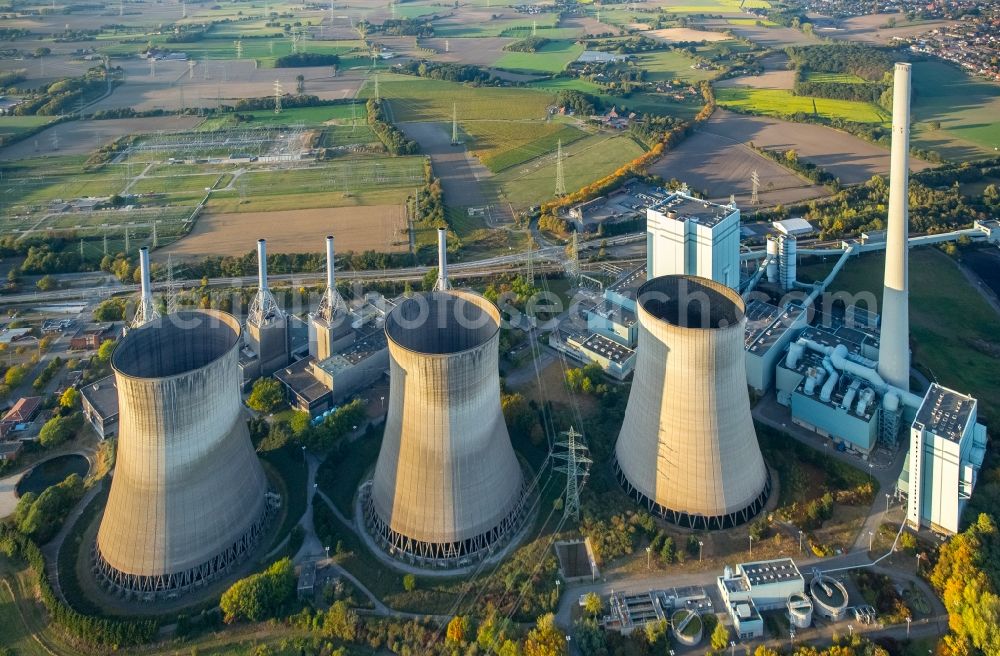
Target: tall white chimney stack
[442, 281]
[894, 352]
[146, 311]
[330, 283]
[262, 263]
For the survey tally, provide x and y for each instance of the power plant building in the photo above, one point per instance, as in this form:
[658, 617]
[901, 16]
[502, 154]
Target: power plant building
[770, 330]
[448, 488]
[189, 499]
[267, 324]
[947, 447]
[754, 587]
[687, 449]
[690, 236]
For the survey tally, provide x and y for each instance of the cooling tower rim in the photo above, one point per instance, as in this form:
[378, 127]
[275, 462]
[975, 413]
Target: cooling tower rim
[477, 300]
[735, 315]
[224, 317]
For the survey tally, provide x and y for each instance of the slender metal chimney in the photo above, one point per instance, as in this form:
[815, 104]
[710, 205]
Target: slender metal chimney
[894, 351]
[145, 311]
[330, 284]
[442, 281]
[262, 263]
[263, 308]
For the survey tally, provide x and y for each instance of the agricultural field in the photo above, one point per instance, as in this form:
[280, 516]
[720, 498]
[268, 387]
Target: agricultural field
[380, 228]
[553, 57]
[585, 160]
[712, 6]
[849, 158]
[966, 108]
[717, 167]
[80, 137]
[14, 126]
[667, 65]
[776, 75]
[685, 34]
[782, 103]
[483, 25]
[834, 78]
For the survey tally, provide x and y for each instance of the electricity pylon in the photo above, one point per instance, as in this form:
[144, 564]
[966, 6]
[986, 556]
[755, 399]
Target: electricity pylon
[577, 465]
[560, 174]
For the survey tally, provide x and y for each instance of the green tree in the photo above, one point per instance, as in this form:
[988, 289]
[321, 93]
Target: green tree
[517, 414]
[15, 376]
[260, 596]
[266, 395]
[70, 398]
[105, 350]
[409, 582]
[47, 283]
[113, 309]
[340, 622]
[427, 284]
[592, 603]
[720, 637]
[546, 639]
[56, 431]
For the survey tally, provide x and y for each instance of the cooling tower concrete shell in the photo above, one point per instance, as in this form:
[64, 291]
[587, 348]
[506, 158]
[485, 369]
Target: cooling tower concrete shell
[188, 497]
[687, 447]
[447, 486]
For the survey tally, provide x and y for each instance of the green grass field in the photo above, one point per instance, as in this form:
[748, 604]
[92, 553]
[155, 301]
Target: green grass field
[956, 334]
[666, 65]
[782, 103]
[499, 159]
[305, 115]
[966, 107]
[586, 160]
[13, 126]
[553, 57]
[647, 103]
[517, 27]
[834, 78]
[751, 21]
[264, 49]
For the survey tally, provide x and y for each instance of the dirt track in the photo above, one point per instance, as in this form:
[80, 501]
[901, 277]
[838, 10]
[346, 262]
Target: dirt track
[451, 164]
[379, 227]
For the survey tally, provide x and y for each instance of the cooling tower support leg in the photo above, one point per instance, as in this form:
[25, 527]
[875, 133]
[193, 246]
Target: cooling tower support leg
[696, 522]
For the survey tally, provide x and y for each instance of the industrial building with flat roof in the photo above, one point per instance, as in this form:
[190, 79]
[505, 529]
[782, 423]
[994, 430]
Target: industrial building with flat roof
[768, 583]
[947, 447]
[769, 331]
[99, 401]
[690, 236]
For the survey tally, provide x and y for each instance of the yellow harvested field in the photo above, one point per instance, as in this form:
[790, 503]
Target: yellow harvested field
[676, 34]
[378, 227]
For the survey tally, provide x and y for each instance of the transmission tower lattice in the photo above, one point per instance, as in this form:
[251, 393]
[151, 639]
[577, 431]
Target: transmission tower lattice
[454, 125]
[377, 98]
[577, 465]
[239, 48]
[560, 174]
[755, 181]
[171, 291]
[573, 258]
[530, 276]
[277, 96]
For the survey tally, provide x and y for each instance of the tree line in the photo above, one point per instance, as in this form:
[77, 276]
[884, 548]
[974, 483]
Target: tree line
[391, 137]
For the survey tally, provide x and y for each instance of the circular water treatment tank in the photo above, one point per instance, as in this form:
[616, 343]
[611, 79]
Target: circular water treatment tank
[829, 596]
[52, 472]
[800, 610]
[687, 627]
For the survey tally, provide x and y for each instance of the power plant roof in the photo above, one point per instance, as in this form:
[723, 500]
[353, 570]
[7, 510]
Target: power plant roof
[608, 348]
[771, 571]
[688, 208]
[945, 413]
[630, 283]
[767, 323]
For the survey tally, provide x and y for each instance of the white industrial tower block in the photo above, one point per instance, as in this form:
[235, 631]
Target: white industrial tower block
[329, 327]
[947, 447]
[687, 448]
[447, 486]
[894, 351]
[189, 499]
[690, 236]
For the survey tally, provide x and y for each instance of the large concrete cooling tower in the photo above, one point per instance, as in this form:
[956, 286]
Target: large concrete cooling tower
[687, 448]
[447, 487]
[188, 498]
